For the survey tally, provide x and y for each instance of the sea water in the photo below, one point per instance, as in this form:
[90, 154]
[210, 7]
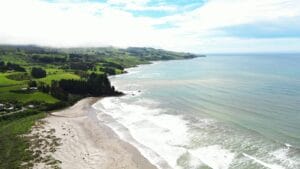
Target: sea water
[219, 112]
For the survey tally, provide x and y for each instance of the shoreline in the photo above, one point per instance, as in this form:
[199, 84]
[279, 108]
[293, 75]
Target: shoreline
[85, 142]
[81, 120]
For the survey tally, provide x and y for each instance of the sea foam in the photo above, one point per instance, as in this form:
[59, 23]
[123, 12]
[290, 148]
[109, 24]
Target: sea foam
[158, 136]
[214, 156]
[166, 135]
[271, 166]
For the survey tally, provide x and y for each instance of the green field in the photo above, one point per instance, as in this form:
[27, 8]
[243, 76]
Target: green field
[58, 76]
[4, 81]
[8, 85]
[25, 98]
[14, 58]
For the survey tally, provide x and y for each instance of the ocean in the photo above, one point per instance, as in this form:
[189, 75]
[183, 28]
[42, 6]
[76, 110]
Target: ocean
[231, 111]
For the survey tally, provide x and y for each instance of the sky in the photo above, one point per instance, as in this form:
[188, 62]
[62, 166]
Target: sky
[199, 26]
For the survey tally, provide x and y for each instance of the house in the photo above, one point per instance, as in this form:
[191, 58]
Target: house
[31, 106]
[11, 108]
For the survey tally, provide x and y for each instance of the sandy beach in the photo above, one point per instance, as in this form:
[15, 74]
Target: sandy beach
[86, 143]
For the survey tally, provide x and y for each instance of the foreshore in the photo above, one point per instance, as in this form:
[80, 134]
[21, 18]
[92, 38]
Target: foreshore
[87, 144]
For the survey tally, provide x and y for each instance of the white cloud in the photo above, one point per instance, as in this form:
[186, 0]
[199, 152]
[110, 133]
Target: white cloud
[205, 24]
[129, 2]
[222, 13]
[69, 24]
[141, 5]
[96, 24]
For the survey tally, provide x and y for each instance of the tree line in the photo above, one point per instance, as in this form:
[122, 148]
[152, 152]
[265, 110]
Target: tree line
[95, 85]
[10, 67]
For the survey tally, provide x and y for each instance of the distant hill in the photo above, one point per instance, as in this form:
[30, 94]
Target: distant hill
[132, 55]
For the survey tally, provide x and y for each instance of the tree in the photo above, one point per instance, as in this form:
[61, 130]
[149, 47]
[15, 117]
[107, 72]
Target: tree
[95, 85]
[32, 83]
[2, 66]
[108, 70]
[38, 72]
[11, 66]
[98, 84]
[2, 63]
[58, 92]
[43, 87]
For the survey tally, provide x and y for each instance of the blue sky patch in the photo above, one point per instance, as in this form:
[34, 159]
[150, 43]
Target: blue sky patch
[283, 28]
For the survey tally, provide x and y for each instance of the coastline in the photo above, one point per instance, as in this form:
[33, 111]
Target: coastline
[87, 143]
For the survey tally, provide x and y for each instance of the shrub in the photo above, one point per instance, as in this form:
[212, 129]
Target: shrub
[18, 115]
[55, 106]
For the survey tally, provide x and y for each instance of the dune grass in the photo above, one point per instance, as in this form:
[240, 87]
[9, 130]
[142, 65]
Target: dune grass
[14, 147]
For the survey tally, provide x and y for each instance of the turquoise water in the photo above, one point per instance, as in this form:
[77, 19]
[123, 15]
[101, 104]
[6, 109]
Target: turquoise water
[221, 111]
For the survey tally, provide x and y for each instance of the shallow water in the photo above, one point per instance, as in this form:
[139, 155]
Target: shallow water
[221, 111]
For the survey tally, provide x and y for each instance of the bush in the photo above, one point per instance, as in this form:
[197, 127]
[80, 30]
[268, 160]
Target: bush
[55, 106]
[108, 70]
[32, 83]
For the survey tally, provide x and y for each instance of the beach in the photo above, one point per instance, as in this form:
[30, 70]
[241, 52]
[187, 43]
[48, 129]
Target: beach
[85, 143]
